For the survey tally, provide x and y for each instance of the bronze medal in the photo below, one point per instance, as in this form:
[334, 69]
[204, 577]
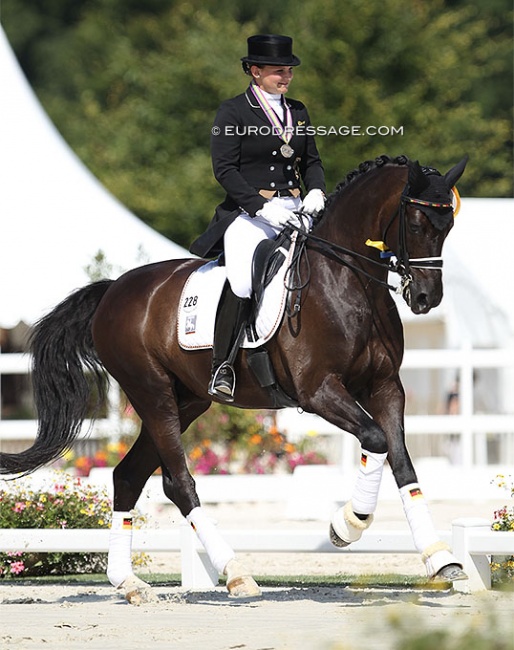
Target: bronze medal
[286, 150]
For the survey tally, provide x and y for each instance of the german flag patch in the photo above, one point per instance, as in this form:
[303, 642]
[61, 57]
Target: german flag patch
[416, 493]
[364, 460]
[127, 523]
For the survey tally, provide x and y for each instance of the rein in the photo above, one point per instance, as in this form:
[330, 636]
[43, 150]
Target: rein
[401, 266]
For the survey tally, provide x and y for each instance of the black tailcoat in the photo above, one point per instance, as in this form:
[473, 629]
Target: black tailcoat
[246, 158]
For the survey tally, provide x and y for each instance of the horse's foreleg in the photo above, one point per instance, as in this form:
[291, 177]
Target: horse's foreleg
[439, 561]
[129, 478]
[387, 405]
[335, 404]
[350, 521]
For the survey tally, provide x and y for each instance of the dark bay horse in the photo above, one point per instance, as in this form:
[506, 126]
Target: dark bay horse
[339, 357]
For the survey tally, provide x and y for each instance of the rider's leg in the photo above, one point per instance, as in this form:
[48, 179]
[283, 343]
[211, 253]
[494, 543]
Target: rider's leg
[240, 241]
[232, 315]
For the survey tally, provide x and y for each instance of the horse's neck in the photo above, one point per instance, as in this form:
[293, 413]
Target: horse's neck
[363, 209]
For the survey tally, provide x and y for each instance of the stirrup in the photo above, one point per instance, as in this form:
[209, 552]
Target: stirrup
[223, 382]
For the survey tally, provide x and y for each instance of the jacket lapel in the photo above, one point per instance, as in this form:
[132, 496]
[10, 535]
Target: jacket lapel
[254, 107]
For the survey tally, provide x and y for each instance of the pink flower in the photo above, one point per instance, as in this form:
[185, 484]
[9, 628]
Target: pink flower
[19, 507]
[17, 568]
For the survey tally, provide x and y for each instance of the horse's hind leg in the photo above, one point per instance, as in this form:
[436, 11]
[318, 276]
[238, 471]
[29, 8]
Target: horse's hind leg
[165, 421]
[240, 583]
[129, 477]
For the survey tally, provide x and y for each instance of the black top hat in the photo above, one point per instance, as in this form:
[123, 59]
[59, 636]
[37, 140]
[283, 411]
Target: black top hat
[270, 49]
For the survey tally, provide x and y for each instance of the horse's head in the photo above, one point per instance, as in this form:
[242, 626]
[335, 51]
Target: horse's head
[425, 219]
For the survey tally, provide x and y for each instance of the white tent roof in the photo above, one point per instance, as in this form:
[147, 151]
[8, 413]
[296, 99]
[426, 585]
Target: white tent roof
[54, 214]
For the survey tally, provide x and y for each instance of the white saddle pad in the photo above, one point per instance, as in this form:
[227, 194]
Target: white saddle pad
[199, 302]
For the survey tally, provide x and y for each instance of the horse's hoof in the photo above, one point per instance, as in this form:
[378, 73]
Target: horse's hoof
[450, 573]
[336, 540]
[239, 583]
[243, 587]
[346, 527]
[137, 592]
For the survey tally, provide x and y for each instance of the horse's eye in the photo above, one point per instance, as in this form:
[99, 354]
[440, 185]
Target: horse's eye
[415, 228]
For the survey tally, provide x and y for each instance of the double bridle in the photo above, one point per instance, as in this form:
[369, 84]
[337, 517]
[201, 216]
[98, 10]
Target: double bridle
[404, 263]
[401, 265]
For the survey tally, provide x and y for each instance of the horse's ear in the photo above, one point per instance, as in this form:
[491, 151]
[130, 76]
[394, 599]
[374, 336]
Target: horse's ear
[417, 179]
[452, 175]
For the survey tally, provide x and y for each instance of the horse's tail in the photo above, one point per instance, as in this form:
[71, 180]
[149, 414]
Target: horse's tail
[65, 372]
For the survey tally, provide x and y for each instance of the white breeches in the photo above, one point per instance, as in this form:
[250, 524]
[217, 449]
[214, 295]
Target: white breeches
[241, 239]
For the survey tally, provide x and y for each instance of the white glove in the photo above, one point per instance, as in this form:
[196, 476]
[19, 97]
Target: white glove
[275, 214]
[313, 203]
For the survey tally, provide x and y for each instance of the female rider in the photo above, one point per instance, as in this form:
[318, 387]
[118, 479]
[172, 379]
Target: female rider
[262, 149]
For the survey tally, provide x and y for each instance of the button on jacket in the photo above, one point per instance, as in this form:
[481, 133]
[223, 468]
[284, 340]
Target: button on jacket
[246, 158]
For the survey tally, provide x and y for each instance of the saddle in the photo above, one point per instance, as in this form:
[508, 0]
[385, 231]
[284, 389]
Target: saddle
[267, 261]
[204, 289]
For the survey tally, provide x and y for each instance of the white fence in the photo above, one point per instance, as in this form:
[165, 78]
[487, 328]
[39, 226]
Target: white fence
[472, 541]
[470, 427]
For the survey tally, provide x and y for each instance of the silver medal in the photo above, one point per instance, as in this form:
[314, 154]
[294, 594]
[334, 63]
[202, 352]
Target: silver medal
[286, 151]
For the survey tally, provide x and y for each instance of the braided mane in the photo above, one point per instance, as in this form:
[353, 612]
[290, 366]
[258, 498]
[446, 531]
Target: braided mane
[364, 167]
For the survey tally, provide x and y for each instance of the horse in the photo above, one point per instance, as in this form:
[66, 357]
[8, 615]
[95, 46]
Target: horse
[337, 354]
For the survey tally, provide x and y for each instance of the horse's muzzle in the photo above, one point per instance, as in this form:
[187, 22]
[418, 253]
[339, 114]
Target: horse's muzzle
[420, 299]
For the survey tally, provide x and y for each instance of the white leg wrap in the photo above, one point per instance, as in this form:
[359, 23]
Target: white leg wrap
[219, 552]
[365, 492]
[119, 563]
[418, 516]
[434, 553]
[347, 526]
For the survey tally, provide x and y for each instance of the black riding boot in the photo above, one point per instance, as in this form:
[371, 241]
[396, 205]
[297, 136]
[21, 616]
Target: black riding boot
[228, 336]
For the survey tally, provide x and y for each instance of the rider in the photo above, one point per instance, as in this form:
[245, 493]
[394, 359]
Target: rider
[261, 149]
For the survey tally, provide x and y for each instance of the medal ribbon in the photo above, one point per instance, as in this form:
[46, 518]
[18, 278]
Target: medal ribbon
[285, 133]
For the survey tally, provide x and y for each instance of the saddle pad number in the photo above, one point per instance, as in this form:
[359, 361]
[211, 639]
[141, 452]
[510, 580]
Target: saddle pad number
[189, 305]
[190, 302]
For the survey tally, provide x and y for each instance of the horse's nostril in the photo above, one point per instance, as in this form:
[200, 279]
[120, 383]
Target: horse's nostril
[421, 303]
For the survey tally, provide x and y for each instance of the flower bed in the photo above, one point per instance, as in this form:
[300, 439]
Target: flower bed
[225, 440]
[64, 503]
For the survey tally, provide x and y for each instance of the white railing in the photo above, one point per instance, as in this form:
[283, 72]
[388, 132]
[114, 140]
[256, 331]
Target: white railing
[472, 427]
[472, 541]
